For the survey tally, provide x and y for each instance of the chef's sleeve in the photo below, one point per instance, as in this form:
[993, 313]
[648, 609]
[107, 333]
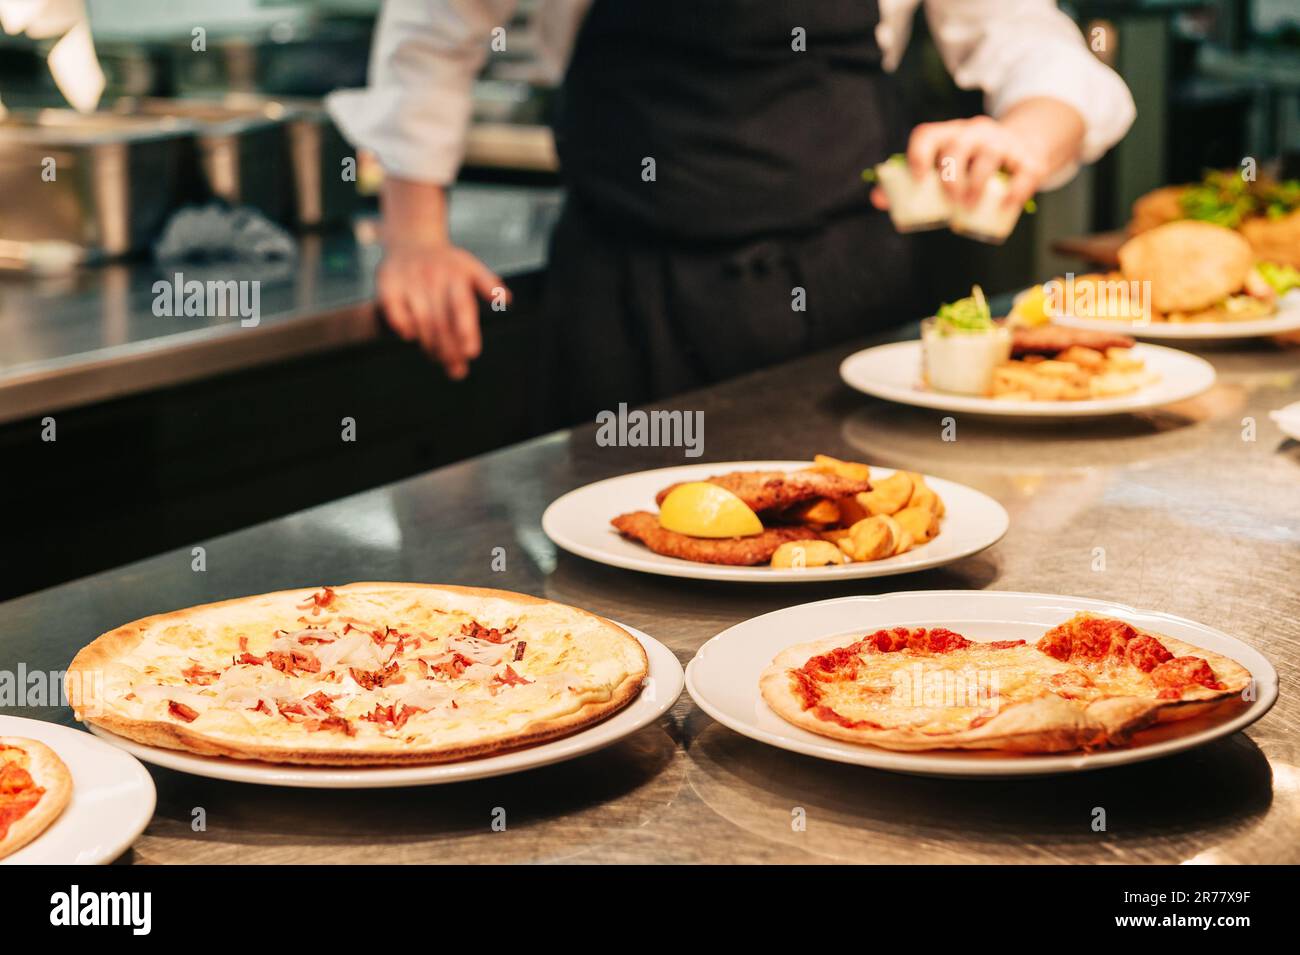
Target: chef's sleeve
[414, 114]
[1016, 50]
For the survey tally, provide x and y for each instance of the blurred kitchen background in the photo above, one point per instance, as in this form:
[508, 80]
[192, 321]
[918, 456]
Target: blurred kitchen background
[168, 430]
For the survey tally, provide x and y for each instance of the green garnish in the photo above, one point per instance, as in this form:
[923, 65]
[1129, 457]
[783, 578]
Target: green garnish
[870, 175]
[966, 315]
[1226, 199]
[1282, 278]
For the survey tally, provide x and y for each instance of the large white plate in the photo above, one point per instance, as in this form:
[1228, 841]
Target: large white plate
[112, 801]
[663, 686]
[723, 677]
[1285, 319]
[893, 372]
[579, 522]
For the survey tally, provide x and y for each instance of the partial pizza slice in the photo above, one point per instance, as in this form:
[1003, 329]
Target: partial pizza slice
[35, 787]
[1090, 682]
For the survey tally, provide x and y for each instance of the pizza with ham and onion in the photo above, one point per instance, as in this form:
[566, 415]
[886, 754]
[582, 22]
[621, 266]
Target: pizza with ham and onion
[1090, 682]
[35, 787]
[362, 674]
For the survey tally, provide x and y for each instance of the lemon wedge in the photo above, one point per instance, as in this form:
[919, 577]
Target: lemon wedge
[701, 509]
[1030, 308]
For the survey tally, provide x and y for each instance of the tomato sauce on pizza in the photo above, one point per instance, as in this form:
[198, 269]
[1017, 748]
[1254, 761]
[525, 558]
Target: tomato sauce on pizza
[1090, 681]
[19, 793]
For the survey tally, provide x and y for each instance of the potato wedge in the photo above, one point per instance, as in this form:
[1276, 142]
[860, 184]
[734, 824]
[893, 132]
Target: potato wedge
[851, 510]
[819, 511]
[807, 554]
[871, 539]
[852, 470]
[921, 522]
[923, 496]
[889, 495]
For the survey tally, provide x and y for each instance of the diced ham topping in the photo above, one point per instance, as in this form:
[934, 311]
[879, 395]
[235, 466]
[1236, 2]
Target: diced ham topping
[182, 712]
[390, 715]
[369, 679]
[320, 700]
[477, 631]
[199, 676]
[509, 678]
[320, 600]
[293, 662]
[453, 667]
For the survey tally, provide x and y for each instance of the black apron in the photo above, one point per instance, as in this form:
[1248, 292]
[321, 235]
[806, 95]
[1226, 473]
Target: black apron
[717, 221]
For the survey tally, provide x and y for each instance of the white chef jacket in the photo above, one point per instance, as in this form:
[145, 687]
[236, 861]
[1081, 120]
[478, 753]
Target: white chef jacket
[415, 113]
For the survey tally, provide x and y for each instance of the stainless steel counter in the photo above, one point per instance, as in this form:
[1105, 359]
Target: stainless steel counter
[92, 335]
[1196, 517]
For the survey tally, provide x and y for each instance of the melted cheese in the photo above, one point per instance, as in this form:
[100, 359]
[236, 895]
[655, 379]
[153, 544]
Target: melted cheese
[941, 693]
[485, 700]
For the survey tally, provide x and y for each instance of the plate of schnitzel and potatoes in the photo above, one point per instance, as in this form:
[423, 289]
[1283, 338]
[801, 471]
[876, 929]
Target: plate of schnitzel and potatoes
[775, 521]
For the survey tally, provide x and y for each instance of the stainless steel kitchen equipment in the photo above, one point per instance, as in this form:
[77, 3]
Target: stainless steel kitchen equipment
[99, 183]
[243, 149]
[291, 57]
[281, 156]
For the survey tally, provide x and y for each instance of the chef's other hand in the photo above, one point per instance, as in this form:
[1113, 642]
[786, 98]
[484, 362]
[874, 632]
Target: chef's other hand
[428, 288]
[430, 294]
[1032, 140]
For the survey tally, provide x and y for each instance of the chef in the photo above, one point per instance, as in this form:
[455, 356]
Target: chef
[712, 152]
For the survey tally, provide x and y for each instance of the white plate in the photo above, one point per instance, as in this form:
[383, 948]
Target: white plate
[723, 677]
[663, 686]
[112, 799]
[1285, 319]
[893, 372]
[1288, 420]
[579, 522]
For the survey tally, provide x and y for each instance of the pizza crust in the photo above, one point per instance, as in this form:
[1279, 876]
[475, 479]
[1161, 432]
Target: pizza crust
[48, 772]
[117, 644]
[1046, 724]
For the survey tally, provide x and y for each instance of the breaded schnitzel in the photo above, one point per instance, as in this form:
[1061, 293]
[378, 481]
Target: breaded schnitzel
[1051, 339]
[766, 490]
[740, 551]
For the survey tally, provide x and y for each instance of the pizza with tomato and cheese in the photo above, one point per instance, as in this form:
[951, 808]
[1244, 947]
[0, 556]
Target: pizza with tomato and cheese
[363, 674]
[35, 788]
[1087, 683]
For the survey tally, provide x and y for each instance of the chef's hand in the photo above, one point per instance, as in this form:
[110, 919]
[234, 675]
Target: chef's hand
[1032, 140]
[428, 287]
[428, 293]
